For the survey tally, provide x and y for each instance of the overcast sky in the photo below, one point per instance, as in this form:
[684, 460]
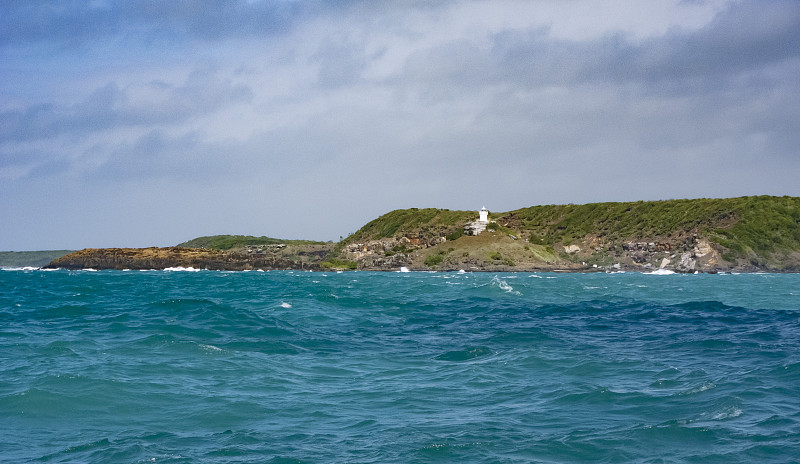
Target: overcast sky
[149, 122]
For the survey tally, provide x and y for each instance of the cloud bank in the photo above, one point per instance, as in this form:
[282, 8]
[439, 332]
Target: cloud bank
[148, 123]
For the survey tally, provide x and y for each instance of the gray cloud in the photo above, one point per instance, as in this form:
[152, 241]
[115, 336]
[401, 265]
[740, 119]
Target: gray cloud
[341, 111]
[113, 107]
[741, 39]
[76, 22]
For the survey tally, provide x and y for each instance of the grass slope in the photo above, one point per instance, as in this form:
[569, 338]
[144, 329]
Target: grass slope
[408, 220]
[744, 225]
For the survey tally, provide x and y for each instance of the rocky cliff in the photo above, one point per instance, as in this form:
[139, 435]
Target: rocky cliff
[198, 258]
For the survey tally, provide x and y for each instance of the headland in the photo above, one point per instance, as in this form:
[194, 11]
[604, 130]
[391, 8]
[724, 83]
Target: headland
[745, 234]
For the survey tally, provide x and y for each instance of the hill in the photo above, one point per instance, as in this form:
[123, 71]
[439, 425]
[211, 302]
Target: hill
[745, 234]
[30, 258]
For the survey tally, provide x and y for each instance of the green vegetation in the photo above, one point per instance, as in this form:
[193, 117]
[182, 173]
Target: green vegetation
[763, 230]
[30, 258]
[497, 256]
[434, 260]
[542, 253]
[744, 225]
[493, 226]
[765, 224]
[455, 235]
[407, 220]
[226, 242]
[339, 264]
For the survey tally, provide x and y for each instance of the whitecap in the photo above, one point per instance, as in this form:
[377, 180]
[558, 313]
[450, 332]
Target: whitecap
[536, 276]
[660, 272]
[461, 271]
[209, 347]
[285, 305]
[182, 269]
[727, 413]
[403, 269]
[503, 285]
[701, 388]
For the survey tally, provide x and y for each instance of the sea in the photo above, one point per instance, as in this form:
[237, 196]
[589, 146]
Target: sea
[186, 366]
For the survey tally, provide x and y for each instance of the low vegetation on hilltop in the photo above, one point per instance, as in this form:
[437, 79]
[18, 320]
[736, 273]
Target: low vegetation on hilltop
[410, 220]
[227, 242]
[743, 225]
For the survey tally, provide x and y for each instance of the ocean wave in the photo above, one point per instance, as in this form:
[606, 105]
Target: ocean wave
[397, 367]
[660, 272]
[503, 285]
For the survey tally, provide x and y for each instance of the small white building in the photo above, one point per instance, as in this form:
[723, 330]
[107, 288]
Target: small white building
[483, 215]
[476, 227]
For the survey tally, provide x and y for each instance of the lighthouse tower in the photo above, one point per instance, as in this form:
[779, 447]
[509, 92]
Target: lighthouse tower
[484, 215]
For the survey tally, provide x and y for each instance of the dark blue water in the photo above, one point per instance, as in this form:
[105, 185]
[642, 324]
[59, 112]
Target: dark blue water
[298, 367]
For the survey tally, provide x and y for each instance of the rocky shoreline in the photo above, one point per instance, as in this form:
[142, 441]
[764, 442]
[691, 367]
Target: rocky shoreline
[703, 258]
[174, 257]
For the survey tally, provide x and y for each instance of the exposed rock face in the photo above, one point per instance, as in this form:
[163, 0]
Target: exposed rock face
[475, 227]
[374, 250]
[687, 263]
[162, 258]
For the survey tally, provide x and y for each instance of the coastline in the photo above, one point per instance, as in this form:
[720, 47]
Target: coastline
[174, 258]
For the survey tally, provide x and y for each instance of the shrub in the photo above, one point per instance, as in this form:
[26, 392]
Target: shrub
[339, 264]
[399, 249]
[455, 235]
[434, 260]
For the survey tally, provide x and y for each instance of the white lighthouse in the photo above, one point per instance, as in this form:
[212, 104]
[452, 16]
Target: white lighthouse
[483, 215]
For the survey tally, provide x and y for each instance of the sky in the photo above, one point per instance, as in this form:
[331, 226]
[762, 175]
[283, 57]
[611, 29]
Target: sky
[147, 123]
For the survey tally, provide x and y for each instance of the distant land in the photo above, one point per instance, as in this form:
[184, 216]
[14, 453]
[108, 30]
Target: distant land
[30, 258]
[745, 234]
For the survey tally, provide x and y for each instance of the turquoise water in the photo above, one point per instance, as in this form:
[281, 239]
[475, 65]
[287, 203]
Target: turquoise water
[300, 367]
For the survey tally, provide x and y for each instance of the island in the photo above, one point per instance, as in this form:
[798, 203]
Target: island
[745, 234]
